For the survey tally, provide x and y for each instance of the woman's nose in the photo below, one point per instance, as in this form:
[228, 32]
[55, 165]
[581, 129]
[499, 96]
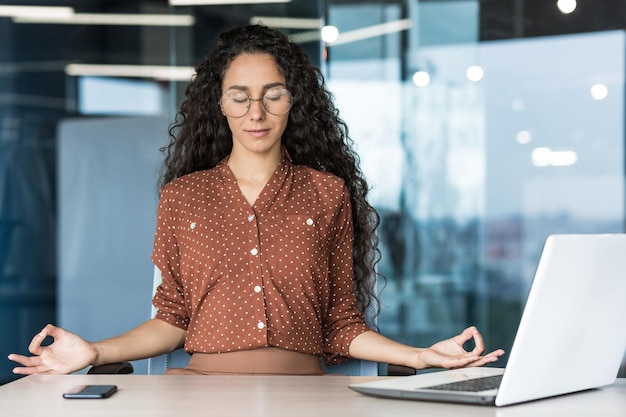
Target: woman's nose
[257, 109]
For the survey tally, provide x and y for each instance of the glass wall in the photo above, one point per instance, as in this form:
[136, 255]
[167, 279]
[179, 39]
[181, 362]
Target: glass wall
[477, 150]
[423, 150]
[483, 126]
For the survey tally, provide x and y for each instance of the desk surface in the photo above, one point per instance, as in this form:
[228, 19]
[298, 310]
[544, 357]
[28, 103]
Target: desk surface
[249, 396]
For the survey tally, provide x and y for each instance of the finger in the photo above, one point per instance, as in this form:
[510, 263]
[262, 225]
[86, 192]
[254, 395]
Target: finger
[451, 363]
[35, 345]
[30, 370]
[465, 335]
[479, 343]
[28, 361]
[497, 353]
[486, 359]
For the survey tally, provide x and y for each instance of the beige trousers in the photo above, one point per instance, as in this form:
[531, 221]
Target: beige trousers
[269, 361]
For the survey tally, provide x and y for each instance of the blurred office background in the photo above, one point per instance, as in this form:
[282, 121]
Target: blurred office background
[483, 126]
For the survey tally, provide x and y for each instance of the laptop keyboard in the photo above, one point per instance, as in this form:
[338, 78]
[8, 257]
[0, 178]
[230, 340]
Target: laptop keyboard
[471, 385]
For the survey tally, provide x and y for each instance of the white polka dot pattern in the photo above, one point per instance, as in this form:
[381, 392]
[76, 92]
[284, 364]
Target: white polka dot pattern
[277, 274]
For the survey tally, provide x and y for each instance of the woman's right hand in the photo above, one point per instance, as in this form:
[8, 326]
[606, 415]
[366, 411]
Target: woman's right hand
[66, 354]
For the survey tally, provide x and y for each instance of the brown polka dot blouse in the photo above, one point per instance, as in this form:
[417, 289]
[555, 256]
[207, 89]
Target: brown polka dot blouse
[276, 274]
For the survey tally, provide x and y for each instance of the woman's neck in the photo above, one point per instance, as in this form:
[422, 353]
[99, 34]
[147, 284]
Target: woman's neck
[252, 171]
[254, 167]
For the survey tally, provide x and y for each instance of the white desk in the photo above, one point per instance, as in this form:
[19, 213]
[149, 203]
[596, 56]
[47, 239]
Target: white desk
[249, 396]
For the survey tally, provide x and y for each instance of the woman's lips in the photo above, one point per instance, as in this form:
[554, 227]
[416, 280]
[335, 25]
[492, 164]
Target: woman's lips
[258, 133]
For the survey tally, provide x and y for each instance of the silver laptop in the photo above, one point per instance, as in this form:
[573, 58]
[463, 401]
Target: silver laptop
[571, 337]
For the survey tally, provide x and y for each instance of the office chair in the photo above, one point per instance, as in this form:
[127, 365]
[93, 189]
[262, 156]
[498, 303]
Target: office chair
[179, 358]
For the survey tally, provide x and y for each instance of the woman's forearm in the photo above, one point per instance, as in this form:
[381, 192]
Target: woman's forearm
[151, 338]
[375, 347]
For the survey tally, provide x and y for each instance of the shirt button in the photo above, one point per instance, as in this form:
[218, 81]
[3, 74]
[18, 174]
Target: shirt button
[193, 225]
[257, 288]
[260, 325]
[254, 251]
[309, 221]
[251, 217]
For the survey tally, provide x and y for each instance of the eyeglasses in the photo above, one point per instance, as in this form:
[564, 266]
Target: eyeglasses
[236, 103]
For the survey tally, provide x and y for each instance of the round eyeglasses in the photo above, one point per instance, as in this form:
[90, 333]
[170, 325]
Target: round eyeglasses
[236, 103]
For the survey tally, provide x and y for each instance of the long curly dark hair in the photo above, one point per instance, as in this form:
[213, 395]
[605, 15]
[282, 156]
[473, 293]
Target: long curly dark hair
[315, 135]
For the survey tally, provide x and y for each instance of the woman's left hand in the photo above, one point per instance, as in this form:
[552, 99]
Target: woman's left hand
[450, 353]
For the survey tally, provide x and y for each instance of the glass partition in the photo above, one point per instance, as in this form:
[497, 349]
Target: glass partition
[477, 151]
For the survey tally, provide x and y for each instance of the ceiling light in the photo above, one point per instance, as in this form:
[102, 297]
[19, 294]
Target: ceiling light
[372, 31]
[546, 157]
[306, 36]
[599, 91]
[158, 72]
[566, 6]
[111, 19]
[524, 137]
[330, 34]
[421, 78]
[474, 73]
[32, 11]
[221, 2]
[286, 22]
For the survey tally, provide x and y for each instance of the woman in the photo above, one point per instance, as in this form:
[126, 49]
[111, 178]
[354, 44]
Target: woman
[264, 238]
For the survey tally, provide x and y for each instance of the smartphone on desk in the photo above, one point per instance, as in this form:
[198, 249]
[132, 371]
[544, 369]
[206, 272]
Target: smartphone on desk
[90, 391]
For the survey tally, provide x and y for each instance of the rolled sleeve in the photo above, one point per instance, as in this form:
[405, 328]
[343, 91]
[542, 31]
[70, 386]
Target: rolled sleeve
[344, 321]
[169, 297]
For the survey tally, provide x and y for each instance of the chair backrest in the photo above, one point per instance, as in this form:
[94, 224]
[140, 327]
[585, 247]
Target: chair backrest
[179, 358]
